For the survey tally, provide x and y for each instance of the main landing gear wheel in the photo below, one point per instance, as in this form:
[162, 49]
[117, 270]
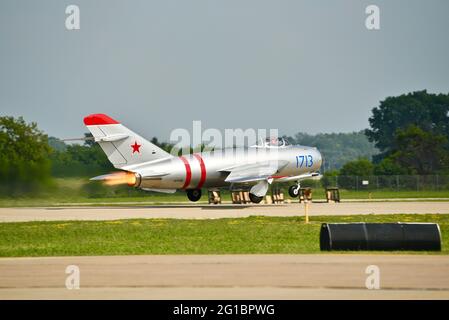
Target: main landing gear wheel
[293, 191]
[254, 198]
[194, 194]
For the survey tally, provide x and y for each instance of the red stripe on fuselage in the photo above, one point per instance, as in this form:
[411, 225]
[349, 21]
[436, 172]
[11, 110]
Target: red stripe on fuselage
[278, 177]
[203, 170]
[188, 172]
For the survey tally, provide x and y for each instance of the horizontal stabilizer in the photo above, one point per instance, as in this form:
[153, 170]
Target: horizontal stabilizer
[79, 139]
[111, 138]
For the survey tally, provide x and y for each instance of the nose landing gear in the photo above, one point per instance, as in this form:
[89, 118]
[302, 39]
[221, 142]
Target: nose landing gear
[293, 191]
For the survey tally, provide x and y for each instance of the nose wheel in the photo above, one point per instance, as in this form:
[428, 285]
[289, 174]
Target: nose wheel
[194, 194]
[293, 191]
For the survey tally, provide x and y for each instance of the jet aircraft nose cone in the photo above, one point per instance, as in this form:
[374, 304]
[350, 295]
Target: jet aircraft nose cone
[319, 159]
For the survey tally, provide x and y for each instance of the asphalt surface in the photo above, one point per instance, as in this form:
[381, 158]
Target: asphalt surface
[322, 276]
[218, 211]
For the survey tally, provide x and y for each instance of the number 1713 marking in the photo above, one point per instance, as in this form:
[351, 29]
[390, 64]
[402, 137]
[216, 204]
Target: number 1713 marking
[304, 161]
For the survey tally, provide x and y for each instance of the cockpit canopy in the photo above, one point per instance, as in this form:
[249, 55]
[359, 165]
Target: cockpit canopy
[273, 142]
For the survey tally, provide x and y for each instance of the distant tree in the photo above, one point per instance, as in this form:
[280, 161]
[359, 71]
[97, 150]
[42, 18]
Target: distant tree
[351, 173]
[388, 167]
[163, 145]
[430, 112]
[80, 160]
[419, 151]
[360, 167]
[24, 156]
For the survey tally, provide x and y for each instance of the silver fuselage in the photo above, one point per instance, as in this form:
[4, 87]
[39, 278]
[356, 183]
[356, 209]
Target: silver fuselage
[209, 169]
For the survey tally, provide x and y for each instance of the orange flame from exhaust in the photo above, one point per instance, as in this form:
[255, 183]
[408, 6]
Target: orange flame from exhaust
[117, 178]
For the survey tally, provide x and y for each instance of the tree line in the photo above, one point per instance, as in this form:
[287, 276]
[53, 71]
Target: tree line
[411, 132]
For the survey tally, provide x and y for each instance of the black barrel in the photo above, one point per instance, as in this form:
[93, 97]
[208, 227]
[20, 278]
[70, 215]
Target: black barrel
[380, 236]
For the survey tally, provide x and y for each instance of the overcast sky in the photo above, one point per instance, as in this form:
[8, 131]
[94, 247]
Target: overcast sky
[308, 66]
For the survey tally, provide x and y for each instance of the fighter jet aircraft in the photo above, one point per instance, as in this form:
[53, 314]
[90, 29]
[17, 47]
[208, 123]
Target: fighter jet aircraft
[148, 167]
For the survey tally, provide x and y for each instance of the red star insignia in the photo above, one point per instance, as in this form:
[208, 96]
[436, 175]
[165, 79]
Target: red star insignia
[136, 147]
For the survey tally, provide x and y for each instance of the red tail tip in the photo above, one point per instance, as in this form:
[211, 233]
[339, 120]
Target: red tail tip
[98, 119]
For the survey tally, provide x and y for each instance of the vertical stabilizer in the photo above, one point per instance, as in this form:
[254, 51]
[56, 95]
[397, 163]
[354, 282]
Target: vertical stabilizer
[122, 146]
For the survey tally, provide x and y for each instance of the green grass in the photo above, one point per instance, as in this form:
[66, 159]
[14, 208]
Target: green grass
[264, 235]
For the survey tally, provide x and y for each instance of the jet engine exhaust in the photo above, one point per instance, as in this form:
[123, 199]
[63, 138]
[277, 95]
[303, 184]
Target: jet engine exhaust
[118, 178]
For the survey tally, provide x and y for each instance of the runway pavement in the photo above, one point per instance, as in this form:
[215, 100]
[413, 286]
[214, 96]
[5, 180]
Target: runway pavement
[322, 276]
[218, 211]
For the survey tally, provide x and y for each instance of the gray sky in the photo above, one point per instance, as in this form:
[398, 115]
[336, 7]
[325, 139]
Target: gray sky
[308, 66]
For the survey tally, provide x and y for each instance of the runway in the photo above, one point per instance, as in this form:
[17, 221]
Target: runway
[218, 211]
[321, 276]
